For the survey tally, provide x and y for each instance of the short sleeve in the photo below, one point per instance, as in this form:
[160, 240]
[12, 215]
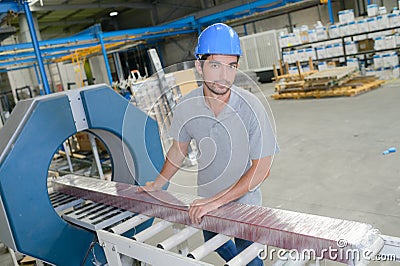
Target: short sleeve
[177, 131]
[262, 139]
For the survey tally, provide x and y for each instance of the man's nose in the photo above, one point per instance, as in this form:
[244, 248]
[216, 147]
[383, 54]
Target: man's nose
[223, 72]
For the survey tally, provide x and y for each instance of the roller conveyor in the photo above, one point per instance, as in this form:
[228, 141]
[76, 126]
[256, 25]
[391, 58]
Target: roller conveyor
[62, 202]
[265, 226]
[87, 214]
[90, 215]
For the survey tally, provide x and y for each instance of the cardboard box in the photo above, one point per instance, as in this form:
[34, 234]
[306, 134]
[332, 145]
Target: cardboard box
[365, 45]
[321, 52]
[373, 24]
[379, 43]
[312, 36]
[378, 62]
[186, 80]
[346, 16]
[383, 21]
[334, 31]
[351, 48]
[362, 26]
[84, 142]
[353, 62]
[372, 10]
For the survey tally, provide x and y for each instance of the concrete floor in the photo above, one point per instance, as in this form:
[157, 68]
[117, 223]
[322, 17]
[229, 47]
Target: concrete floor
[330, 161]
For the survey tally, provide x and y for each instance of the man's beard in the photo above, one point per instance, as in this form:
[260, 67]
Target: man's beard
[212, 86]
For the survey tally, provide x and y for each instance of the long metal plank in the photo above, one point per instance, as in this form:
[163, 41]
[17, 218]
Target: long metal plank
[273, 227]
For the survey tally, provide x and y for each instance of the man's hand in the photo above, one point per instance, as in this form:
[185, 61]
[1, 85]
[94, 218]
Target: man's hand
[150, 186]
[200, 207]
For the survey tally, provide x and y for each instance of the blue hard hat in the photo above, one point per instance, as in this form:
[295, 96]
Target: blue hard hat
[218, 38]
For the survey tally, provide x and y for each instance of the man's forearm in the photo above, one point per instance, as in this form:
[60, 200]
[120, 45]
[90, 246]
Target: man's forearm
[173, 162]
[256, 174]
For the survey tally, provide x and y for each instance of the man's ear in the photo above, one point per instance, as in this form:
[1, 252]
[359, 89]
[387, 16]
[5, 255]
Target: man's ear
[198, 67]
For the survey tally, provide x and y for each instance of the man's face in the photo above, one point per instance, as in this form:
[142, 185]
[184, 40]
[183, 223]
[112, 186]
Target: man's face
[219, 72]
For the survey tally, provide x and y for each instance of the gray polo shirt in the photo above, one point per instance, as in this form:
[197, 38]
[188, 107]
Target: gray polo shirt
[228, 142]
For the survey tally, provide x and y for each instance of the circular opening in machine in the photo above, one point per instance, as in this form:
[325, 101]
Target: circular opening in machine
[83, 154]
[93, 153]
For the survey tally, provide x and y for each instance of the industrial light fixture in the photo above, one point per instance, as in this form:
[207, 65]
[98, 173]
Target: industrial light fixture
[113, 14]
[32, 2]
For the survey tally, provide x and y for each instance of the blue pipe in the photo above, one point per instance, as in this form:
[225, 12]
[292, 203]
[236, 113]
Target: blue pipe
[330, 12]
[103, 49]
[27, 61]
[4, 70]
[35, 43]
[50, 53]
[37, 73]
[38, 78]
[241, 10]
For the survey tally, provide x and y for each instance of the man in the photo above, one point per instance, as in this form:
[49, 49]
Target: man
[231, 130]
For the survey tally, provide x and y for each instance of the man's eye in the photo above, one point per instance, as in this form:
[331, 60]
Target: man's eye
[214, 65]
[233, 66]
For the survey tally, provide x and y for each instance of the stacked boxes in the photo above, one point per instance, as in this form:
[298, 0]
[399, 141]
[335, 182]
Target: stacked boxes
[386, 65]
[358, 36]
[372, 10]
[346, 16]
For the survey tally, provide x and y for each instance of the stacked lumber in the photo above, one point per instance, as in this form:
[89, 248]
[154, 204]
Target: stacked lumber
[339, 81]
[330, 78]
[288, 82]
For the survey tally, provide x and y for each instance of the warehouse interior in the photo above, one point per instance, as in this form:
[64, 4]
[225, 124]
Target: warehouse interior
[326, 71]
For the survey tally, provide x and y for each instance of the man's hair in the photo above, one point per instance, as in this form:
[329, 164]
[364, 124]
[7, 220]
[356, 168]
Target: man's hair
[205, 56]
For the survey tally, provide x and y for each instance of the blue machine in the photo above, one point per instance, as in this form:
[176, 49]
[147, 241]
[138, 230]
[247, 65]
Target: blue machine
[28, 141]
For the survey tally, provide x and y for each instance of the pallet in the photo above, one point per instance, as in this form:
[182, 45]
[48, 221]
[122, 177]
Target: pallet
[336, 92]
[284, 86]
[336, 73]
[330, 84]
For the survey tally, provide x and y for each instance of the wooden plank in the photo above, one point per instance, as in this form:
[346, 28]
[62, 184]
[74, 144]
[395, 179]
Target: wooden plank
[287, 67]
[275, 73]
[281, 68]
[299, 70]
[311, 64]
[335, 73]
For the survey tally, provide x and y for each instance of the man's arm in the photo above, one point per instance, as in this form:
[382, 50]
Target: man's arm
[175, 156]
[256, 174]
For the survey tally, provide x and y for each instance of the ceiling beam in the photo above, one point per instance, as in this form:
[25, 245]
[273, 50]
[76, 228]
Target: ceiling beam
[91, 6]
[67, 22]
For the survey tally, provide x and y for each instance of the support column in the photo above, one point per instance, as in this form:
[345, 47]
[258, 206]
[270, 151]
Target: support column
[330, 12]
[104, 51]
[35, 42]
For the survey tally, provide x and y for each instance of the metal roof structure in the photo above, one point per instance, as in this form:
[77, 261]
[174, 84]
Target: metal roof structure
[78, 18]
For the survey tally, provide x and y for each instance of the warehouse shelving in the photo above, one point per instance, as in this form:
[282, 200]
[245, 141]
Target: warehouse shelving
[344, 39]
